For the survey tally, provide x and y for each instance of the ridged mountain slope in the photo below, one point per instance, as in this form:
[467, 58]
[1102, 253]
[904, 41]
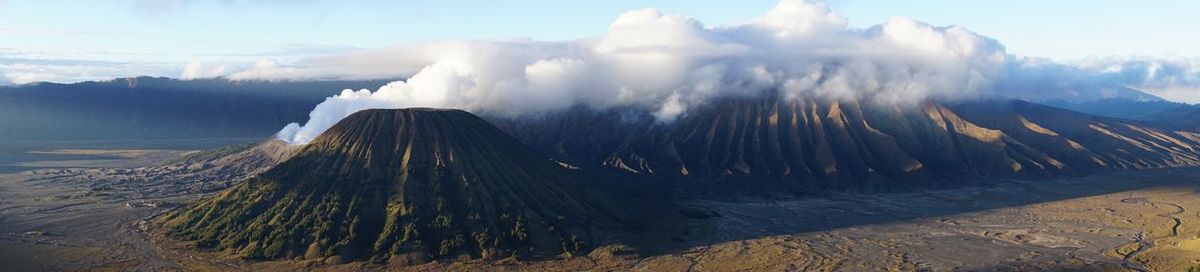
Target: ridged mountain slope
[805, 145]
[407, 185]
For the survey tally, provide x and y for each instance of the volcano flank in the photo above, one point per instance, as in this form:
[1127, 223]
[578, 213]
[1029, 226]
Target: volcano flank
[405, 185]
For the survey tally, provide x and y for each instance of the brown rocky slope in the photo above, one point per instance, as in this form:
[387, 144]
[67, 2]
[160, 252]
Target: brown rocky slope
[807, 145]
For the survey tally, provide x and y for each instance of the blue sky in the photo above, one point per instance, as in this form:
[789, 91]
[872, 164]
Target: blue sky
[160, 36]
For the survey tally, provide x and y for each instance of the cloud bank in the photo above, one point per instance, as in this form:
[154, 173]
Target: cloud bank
[202, 70]
[1176, 78]
[23, 70]
[664, 64]
[1039, 80]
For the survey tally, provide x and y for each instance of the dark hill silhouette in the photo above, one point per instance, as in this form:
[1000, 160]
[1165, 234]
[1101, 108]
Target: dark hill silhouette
[148, 108]
[1123, 108]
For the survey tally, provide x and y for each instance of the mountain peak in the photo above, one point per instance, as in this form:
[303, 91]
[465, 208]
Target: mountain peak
[414, 183]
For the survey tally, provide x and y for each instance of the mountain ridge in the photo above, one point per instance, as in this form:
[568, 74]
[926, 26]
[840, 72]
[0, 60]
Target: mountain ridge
[806, 145]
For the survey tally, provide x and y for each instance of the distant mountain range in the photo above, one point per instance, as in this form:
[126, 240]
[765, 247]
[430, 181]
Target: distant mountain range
[145, 107]
[1175, 115]
[148, 107]
[1123, 108]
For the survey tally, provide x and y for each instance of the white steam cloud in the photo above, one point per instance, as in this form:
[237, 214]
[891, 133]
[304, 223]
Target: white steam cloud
[664, 64]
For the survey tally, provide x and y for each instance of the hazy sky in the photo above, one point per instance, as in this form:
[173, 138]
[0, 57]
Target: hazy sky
[86, 40]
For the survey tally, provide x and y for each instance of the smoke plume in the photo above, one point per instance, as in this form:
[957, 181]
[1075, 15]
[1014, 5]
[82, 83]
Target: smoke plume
[663, 64]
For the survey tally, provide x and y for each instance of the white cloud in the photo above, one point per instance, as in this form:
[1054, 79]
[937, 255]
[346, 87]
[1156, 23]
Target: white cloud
[270, 69]
[664, 64]
[22, 71]
[1174, 78]
[200, 70]
[799, 18]
[349, 66]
